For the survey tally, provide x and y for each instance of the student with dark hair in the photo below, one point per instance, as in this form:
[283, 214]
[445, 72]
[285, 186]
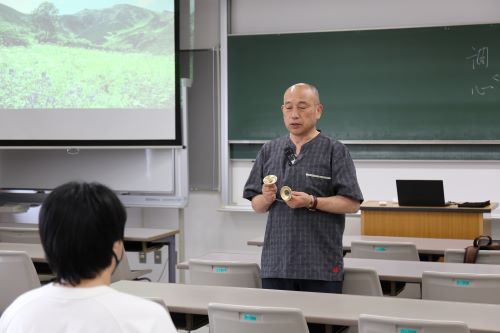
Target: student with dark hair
[81, 228]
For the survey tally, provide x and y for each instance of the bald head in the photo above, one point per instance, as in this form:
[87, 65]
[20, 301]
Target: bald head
[304, 86]
[301, 111]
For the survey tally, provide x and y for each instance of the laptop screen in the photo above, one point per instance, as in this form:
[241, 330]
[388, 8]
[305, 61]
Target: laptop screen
[420, 192]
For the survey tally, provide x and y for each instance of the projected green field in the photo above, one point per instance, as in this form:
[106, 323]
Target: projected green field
[45, 76]
[116, 57]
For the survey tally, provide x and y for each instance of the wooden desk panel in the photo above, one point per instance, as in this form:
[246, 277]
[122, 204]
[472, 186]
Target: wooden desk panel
[422, 224]
[431, 222]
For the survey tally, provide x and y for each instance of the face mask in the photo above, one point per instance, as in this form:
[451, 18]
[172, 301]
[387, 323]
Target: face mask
[117, 261]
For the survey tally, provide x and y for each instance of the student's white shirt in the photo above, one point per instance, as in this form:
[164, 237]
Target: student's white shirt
[56, 309]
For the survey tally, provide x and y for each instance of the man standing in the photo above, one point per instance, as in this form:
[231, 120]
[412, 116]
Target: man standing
[303, 240]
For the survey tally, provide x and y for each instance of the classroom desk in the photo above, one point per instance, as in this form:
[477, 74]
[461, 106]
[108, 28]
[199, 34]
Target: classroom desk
[19, 227]
[136, 239]
[13, 208]
[449, 221]
[432, 246]
[143, 237]
[330, 309]
[34, 251]
[388, 270]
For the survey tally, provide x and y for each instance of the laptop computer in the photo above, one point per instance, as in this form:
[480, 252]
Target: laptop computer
[420, 192]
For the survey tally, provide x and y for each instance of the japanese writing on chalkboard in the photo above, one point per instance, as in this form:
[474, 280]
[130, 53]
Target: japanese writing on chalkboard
[480, 61]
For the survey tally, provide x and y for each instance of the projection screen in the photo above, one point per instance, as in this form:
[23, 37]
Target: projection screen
[89, 73]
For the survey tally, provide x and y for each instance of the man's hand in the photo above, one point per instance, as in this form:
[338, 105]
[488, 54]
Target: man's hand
[299, 200]
[269, 192]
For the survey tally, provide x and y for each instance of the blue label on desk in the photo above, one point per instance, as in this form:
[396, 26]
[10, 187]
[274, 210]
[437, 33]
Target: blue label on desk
[379, 249]
[463, 283]
[249, 317]
[408, 330]
[220, 269]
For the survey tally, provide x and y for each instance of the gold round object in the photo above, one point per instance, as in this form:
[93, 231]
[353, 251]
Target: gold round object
[270, 179]
[286, 193]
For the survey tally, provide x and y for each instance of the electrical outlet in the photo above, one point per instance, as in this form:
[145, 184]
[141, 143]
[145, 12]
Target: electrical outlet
[142, 257]
[158, 257]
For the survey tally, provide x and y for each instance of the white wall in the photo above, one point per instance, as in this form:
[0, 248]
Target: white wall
[199, 25]
[463, 181]
[280, 16]
[124, 170]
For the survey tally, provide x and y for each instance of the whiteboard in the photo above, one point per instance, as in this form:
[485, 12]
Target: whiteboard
[127, 171]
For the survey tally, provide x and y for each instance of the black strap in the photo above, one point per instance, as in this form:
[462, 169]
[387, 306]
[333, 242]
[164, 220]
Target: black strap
[470, 254]
[482, 241]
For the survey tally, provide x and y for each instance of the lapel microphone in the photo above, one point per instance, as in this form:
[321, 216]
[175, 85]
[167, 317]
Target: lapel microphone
[290, 156]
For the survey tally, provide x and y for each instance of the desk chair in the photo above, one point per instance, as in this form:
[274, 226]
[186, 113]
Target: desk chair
[219, 273]
[123, 272]
[389, 251]
[384, 250]
[227, 318]
[491, 257]
[224, 273]
[17, 275]
[361, 281]
[461, 287]
[381, 324]
[28, 237]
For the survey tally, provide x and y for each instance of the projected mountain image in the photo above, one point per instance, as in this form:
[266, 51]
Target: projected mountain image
[117, 57]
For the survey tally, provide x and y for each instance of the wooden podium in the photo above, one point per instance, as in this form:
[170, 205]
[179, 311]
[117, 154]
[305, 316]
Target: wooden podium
[425, 222]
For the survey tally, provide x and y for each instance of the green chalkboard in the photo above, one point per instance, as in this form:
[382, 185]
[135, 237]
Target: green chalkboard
[438, 83]
[478, 152]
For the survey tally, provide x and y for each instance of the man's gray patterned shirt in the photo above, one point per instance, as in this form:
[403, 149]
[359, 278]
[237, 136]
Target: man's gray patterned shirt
[298, 243]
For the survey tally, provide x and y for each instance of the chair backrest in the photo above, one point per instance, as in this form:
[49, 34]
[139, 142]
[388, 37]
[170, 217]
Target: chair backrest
[381, 324]
[227, 318]
[461, 287]
[20, 236]
[454, 255]
[224, 273]
[491, 257]
[384, 250]
[361, 281]
[17, 275]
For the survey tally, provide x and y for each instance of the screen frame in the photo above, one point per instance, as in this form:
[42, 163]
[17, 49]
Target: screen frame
[132, 143]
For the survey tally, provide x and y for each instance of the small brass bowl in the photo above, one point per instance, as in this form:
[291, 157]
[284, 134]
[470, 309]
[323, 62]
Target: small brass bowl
[286, 193]
[270, 179]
